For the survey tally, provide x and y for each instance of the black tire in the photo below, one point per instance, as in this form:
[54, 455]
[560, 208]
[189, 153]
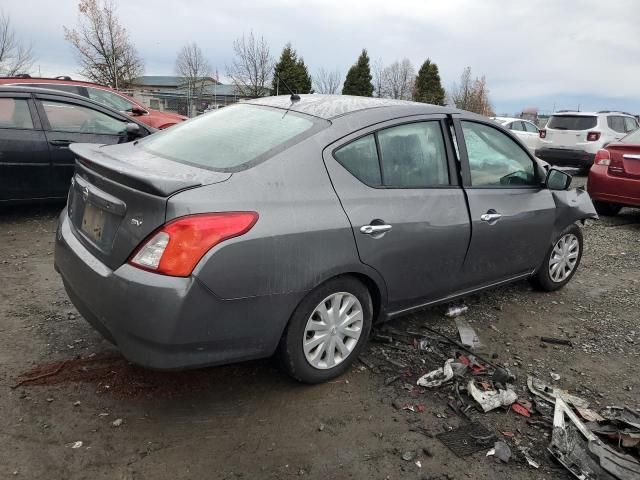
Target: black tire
[607, 209]
[290, 351]
[542, 278]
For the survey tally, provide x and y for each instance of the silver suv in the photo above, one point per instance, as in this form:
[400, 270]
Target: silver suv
[573, 138]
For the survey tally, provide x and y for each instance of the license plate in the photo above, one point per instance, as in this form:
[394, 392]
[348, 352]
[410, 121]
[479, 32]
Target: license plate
[93, 222]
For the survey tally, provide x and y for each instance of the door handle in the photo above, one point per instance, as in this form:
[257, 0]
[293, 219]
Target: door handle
[60, 143]
[490, 217]
[373, 229]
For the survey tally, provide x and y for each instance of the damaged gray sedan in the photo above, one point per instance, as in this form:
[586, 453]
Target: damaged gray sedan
[292, 225]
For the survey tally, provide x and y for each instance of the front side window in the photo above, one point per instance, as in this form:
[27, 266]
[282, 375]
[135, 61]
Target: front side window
[232, 137]
[517, 126]
[630, 124]
[616, 124]
[14, 113]
[68, 117]
[530, 127]
[110, 99]
[495, 159]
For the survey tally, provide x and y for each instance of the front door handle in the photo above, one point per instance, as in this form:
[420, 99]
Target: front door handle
[374, 229]
[60, 143]
[490, 217]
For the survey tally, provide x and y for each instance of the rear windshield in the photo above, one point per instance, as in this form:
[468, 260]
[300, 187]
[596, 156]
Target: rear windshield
[232, 138]
[572, 122]
[633, 137]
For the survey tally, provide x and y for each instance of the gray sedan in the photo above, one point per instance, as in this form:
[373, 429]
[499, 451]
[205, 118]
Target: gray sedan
[292, 226]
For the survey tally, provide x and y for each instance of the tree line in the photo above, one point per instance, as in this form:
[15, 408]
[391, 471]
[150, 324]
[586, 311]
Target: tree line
[107, 56]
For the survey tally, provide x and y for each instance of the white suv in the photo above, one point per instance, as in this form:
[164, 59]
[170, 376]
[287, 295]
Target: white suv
[573, 138]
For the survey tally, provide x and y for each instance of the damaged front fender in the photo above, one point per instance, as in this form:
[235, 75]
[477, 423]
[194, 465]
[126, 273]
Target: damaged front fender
[571, 206]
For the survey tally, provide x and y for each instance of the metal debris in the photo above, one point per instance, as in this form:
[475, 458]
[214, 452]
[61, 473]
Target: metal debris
[456, 311]
[550, 394]
[468, 336]
[501, 451]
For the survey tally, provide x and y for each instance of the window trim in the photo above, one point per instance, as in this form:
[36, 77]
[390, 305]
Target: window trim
[374, 129]
[466, 169]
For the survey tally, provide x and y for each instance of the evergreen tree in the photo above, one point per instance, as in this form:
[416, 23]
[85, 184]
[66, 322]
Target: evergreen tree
[358, 81]
[291, 70]
[428, 88]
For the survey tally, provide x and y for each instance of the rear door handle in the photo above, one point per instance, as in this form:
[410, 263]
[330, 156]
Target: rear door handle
[490, 217]
[373, 229]
[60, 143]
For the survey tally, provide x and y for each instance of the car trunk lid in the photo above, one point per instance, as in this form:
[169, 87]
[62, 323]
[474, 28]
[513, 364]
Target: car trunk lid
[119, 193]
[625, 160]
[566, 131]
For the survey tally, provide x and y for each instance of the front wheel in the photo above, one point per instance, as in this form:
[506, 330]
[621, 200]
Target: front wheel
[327, 331]
[561, 261]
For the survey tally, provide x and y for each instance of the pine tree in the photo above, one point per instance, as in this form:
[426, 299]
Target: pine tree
[428, 88]
[358, 81]
[291, 70]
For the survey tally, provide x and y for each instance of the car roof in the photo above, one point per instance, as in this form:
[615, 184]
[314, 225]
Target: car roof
[61, 80]
[510, 119]
[332, 106]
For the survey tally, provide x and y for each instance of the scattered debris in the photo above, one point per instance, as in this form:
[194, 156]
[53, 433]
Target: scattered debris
[409, 456]
[554, 376]
[418, 464]
[556, 341]
[437, 377]
[468, 335]
[117, 422]
[525, 453]
[468, 439]
[491, 399]
[589, 415]
[456, 311]
[77, 444]
[519, 409]
[621, 414]
[380, 338]
[550, 394]
[501, 451]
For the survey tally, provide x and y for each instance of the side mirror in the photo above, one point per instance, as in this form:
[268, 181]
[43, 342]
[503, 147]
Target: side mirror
[558, 180]
[132, 131]
[138, 111]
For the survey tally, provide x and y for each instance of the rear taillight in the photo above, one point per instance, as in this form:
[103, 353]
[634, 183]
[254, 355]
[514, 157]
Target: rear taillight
[602, 158]
[543, 133]
[177, 247]
[593, 136]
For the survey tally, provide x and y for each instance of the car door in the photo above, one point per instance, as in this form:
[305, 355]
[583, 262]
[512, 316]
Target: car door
[67, 121]
[512, 216]
[398, 186]
[25, 167]
[530, 136]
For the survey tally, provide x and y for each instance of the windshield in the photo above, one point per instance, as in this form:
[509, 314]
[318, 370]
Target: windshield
[110, 99]
[633, 137]
[232, 137]
[572, 122]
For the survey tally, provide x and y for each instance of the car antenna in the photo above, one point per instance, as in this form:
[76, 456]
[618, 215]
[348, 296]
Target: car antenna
[294, 96]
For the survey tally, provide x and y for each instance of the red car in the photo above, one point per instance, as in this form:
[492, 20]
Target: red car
[104, 95]
[614, 178]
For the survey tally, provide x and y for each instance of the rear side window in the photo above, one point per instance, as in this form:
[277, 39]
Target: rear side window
[517, 126]
[110, 99]
[232, 137]
[14, 113]
[495, 159]
[411, 156]
[616, 124]
[572, 122]
[68, 117]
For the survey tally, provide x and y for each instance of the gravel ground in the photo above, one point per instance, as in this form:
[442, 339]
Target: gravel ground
[251, 421]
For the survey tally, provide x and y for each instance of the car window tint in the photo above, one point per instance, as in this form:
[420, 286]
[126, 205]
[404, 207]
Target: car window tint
[230, 137]
[572, 122]
[110, 99]
[361, 159]
[530, 127]
[14, 113]
[495, 159]
[630, 124]
[616, 123]
[413, 155]
[517, 126]
[67, 117]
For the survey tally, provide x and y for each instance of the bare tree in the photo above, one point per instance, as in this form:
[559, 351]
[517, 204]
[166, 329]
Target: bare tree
[102, 45]
[327, 82]
[472, 94]
[252, 66]
[194, 68]
[15, 56]
[377, 72]
[398, 80]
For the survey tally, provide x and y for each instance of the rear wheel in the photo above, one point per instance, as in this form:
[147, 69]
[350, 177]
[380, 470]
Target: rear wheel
[327, 331]
[607, 209]
[561, 261]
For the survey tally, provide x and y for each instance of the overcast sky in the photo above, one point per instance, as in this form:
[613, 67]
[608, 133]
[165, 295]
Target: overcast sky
[542, 53]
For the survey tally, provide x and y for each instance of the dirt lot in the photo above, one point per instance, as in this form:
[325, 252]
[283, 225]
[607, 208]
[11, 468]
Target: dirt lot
[250, 421]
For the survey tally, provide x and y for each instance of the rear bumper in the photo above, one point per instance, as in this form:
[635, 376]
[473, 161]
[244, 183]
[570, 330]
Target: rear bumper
[613, 189]
[565, 157]
[163, 322]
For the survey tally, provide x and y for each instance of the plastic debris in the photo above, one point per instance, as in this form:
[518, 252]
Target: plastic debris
[117, 422]
[437, 377]
[77, 444]
[472, 362]
[456, 311]
[550, 394]
[468, 336]
[589, 415]
[554, 376]
[491, 399]
[519, 409]
[418, 464]
[501, 451]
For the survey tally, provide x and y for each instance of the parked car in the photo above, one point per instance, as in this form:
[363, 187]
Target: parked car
[573, 138]
[104, 95]
[36, 128]
[293, 226]
[525, 130]
[614, 179]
